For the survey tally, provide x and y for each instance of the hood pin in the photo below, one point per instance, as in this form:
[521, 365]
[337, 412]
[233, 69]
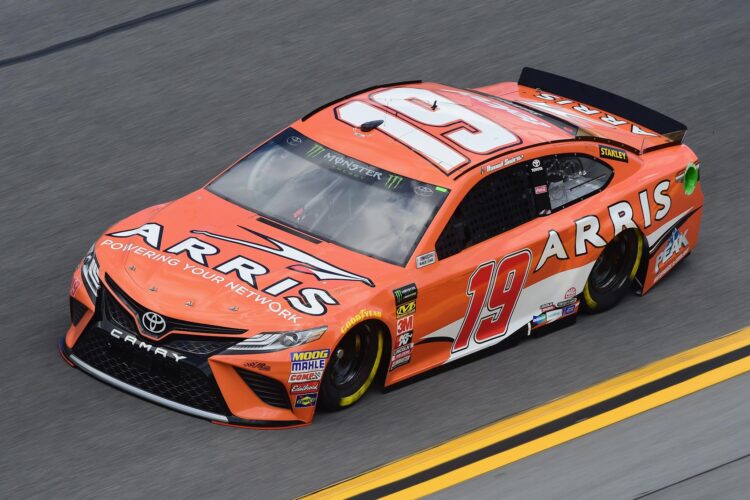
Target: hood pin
[132, 268]
[234, 308]
[153, 288]
[189, 303]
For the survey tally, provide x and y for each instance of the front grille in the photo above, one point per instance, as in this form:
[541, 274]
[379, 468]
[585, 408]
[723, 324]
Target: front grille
[172, 323]
[181, 383]
[198, 346]
[270, 391]
[77, 310]
[117, 314]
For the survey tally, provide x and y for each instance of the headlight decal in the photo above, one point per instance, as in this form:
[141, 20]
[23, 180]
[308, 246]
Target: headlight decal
[276, 341]
[90, 272]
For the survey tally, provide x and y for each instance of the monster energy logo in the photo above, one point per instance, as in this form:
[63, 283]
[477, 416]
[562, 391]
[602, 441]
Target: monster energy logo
[315, 151]
[393, 181]
[405, 294]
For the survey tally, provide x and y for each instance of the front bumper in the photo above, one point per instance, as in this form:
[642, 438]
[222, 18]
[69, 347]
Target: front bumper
[219, 388]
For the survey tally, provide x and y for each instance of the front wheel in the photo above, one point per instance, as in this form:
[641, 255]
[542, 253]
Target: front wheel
[613, 272]
[352, 367]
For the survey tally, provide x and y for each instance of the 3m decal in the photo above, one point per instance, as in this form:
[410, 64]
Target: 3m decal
[405, 324]
[306, 376]
[613, 153]
[493, 290]
[465, 130]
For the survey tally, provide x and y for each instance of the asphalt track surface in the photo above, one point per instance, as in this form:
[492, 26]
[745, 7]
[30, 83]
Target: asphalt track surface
[652, 461]
[95, 130]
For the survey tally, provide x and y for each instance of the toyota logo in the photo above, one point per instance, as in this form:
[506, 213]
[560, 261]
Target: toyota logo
[153, 322]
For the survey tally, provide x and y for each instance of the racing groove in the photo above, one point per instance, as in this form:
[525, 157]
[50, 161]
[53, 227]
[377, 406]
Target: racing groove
[97, 131]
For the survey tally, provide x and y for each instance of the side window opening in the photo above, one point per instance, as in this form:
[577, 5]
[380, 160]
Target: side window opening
[571, 178]
[497, 203]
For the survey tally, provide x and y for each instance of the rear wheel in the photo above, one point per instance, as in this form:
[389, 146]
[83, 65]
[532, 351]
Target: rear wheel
[613, 272]
[352, 367]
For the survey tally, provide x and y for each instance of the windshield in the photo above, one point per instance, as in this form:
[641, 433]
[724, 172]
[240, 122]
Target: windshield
[315, 189]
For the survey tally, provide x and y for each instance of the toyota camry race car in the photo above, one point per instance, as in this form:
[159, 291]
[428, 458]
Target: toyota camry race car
[387, 233]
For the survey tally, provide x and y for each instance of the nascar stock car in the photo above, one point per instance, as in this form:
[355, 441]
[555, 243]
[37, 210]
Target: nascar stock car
[385, 234]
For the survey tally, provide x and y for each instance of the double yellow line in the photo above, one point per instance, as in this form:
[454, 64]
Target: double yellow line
[554, 423]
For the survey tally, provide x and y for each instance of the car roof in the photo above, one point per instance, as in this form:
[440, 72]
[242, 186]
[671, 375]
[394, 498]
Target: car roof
[377, 148]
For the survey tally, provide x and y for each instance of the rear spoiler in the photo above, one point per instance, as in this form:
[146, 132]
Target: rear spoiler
[606, 101]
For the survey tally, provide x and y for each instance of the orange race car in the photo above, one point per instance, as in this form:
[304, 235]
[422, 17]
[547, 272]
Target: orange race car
[389, 232]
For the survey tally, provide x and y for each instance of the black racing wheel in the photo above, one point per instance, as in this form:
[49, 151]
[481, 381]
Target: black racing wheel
[352, 367]
[613, 272]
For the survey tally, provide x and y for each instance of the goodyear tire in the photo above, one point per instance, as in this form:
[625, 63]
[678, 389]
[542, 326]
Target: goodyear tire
[613, 272]
[352, 367]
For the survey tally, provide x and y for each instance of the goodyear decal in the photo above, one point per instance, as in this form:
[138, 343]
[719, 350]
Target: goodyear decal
[359, 317]
[613, 153]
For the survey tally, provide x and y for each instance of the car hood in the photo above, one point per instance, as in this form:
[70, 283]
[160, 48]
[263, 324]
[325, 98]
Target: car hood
[296, 282]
